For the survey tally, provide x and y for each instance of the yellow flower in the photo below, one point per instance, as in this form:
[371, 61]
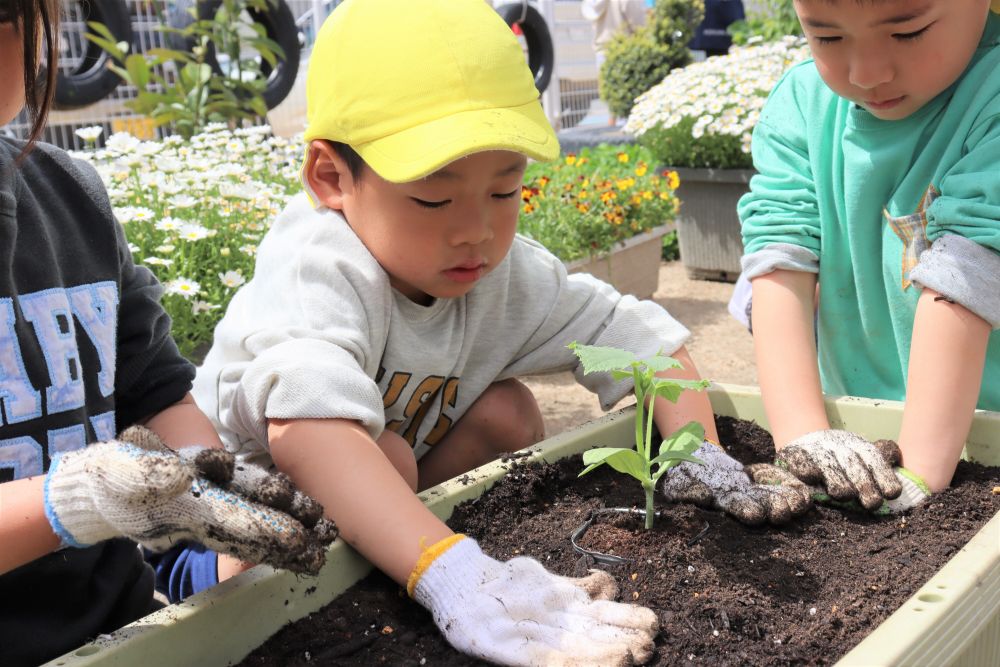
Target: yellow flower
[607, 196]
[673, 180]
[623, 157]
[647, 195]
[571, 159]
[543, 181]
[636, 200]
[583, 195]
[582, 208]
[641, 169]
[528, 208]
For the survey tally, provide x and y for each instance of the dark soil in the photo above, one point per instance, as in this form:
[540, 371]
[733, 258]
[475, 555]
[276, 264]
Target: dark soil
[727, 594]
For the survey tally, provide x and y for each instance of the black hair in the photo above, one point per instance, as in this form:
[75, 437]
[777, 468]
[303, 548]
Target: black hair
[33, 20]
[355, 163]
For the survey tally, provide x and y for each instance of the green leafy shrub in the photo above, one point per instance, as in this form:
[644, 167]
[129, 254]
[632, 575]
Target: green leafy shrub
[180, 89]
[776, 19]
[634, 63]
[703, 115]
[583, 204]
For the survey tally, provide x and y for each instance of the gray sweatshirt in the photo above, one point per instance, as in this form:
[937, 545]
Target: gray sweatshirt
[320, 333]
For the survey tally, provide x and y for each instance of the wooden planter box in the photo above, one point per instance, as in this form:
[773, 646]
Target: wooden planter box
[952, 620]
[708, 228]
[632, 267]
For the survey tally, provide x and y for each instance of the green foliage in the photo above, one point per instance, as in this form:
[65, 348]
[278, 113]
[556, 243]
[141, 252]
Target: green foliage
[671, 247]
[180, 88]
[583, 204]
[194, 212]
[677, 146]
[774, 21]
[635, 63]
[640, 462]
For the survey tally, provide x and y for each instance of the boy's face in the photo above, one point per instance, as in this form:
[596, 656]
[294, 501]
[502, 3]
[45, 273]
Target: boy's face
[892, 56]
[438, 236]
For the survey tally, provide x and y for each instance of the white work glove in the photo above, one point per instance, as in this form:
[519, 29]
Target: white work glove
[150, 494]
[723, 483]
[843, 468]
[518, 613]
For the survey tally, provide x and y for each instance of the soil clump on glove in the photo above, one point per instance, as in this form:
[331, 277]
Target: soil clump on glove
[726, 593]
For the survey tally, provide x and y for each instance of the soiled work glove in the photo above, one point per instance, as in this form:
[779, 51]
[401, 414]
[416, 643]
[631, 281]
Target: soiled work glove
[723, 483]
[846, 465]
[148, 493]
[844, 468]
[518, 613]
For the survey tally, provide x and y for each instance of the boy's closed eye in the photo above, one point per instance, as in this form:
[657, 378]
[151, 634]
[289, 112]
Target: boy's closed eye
[444, 202]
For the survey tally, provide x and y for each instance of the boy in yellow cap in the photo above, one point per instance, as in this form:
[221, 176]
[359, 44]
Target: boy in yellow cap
[375, 351]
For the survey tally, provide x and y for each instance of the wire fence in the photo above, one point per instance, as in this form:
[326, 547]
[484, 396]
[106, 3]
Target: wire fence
[569, 99]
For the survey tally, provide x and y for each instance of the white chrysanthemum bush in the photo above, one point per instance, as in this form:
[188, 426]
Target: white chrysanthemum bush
[194, 212]
[703, 115]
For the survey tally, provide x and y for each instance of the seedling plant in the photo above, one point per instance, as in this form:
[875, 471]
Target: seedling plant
[640, 462]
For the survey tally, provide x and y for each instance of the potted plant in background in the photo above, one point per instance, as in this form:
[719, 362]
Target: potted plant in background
[698, 122]
[603, 211]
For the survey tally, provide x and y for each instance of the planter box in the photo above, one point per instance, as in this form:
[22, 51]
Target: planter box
[632, 267]
[953, 620]
[708, 228]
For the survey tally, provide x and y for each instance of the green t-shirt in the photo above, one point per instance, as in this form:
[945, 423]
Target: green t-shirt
[867, 197]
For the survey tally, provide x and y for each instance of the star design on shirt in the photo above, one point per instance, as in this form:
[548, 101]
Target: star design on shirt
[912, 231]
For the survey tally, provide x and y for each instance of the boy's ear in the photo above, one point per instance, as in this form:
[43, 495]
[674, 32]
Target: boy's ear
[327, 175]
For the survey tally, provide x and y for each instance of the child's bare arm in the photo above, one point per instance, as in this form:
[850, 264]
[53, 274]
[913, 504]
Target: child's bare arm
[184, 424]
[947, 355]
[338, 463]
[691, 406]
[23, 526]
[24, 530]
[784, 342]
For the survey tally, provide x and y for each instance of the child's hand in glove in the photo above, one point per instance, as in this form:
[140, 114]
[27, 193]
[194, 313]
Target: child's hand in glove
[518, 613]
[846, 467]
[723, 483]
[148, 493]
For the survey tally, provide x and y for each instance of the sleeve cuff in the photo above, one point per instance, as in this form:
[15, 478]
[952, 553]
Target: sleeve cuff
[965, 272]
[779, 256]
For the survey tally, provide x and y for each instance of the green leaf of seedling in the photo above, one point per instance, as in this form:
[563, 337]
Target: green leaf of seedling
[687, 438]
[618, 376]
[170, 55]
[596, 359]
[669, 460]
[661, 363]
[623, 460]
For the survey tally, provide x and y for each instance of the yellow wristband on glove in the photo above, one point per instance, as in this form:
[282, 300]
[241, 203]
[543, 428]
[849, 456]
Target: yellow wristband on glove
[428, 556]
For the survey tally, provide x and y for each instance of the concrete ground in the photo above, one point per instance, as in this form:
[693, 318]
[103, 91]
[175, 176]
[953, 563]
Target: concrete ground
[719, 345]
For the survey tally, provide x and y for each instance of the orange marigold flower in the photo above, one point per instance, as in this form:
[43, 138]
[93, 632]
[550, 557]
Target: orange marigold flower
[543, 181]
[582, 208]
[640, 170]
[584, 194]
[623, 157]
[607, 196]
[528, 208]
[525, 193]
[673, 180]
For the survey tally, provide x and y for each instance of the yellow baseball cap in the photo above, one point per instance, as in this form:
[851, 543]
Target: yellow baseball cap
[413, 85]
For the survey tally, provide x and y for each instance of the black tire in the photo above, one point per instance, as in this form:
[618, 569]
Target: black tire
[279, 24]
[90, 80]
[541, 53]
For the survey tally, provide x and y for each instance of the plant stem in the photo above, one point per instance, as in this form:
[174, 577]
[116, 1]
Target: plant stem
[650, 492]
[640, 407]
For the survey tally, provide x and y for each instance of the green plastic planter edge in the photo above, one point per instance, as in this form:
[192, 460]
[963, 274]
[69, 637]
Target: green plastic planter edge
[953, 620]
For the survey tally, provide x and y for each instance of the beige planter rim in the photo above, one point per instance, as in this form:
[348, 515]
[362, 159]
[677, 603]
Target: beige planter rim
[953, 619]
